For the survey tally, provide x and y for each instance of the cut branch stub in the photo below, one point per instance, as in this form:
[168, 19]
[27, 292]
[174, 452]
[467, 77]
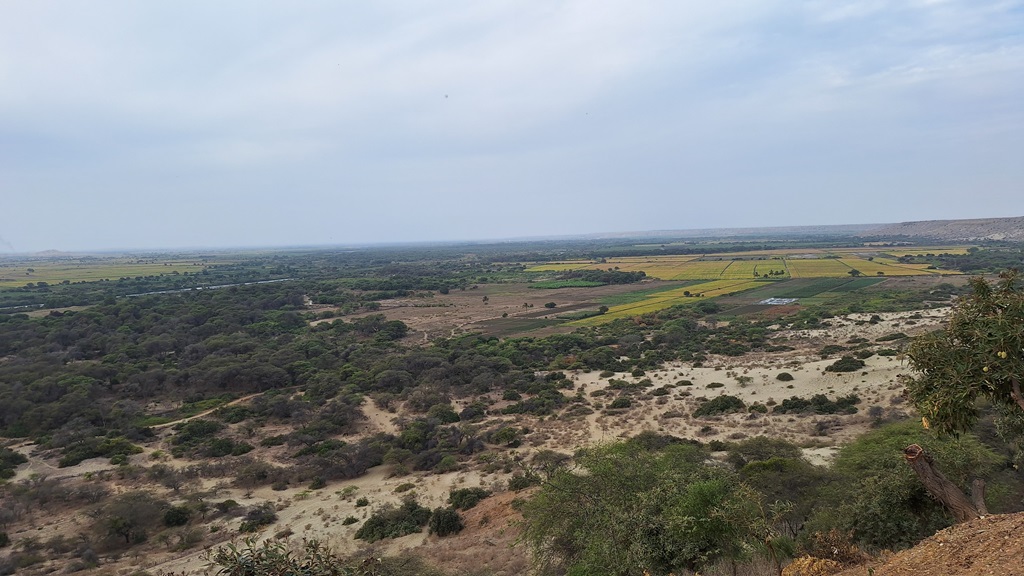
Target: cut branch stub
[940, 488]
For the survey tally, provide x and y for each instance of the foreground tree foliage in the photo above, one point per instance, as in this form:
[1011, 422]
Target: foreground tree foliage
[877, 497]
[627, 509]
[978, 357]
[980, 354]
[276, 558]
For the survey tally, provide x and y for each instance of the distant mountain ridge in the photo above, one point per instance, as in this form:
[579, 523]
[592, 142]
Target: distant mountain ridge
[1009, 229]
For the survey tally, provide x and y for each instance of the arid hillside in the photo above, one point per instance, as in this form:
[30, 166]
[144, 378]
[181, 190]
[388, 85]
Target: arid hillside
[1009, 229]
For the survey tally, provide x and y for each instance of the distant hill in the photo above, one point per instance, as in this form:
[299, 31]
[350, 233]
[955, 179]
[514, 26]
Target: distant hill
[1010, 229]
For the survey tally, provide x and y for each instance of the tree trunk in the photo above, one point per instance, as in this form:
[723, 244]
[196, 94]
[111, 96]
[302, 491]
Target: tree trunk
[978, 496]
[939, 486]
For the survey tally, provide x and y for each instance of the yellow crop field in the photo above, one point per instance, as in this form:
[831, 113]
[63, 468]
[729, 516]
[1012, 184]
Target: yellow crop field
[700, 270]
[670, 298]
[660, 267]
[816, 268]
[874, 267]
[915, 250]
[723, 287]
[916, 268]
[794, 262]
[747, 268]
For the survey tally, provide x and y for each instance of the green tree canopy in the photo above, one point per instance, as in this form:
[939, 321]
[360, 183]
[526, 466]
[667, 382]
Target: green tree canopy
[979, 354]
[877, 496]
[628, 510]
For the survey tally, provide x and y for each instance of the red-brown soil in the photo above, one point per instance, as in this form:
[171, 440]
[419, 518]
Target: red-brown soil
[990, 545]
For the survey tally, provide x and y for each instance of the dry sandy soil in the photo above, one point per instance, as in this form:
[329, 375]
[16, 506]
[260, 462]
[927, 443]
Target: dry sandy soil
[490, 527]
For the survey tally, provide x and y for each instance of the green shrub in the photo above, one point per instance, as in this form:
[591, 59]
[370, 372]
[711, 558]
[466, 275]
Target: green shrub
[391, 522]
[445, 522]
[830, 350]
[784, 377]
[819, 404]
[349, 520]
[449, 463]
[98, 447]
[226, 506]
[274, 440]
[723, 404]
[177, 516]
[466, 498]
[9, 460]
[620, 403]
[258, 517]
[845, 364]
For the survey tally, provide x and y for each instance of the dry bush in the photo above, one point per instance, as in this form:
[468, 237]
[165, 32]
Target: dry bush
[811, 566]
[837, 546]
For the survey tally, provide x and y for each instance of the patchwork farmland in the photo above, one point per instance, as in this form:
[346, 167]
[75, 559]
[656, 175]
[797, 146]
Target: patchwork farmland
[815, 274]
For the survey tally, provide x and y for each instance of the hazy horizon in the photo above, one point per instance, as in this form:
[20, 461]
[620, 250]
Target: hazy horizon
[696, 234]
[127, 126]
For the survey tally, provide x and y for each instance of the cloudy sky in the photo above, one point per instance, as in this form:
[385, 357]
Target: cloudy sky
[260, 123]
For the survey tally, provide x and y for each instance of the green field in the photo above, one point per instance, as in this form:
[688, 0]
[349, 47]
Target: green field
[14, 274]
[668, 298]
[640, 295]
[785, 263]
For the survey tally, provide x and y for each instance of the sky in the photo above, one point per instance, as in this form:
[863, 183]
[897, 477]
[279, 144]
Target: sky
[176, 124]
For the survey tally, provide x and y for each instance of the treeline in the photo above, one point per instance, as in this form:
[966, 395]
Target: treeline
[603, 276]
[987, 260]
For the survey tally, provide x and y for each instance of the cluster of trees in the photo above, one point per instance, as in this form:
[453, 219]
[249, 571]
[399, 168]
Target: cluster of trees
[992, 259]
[611, 276]
[663, 505]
